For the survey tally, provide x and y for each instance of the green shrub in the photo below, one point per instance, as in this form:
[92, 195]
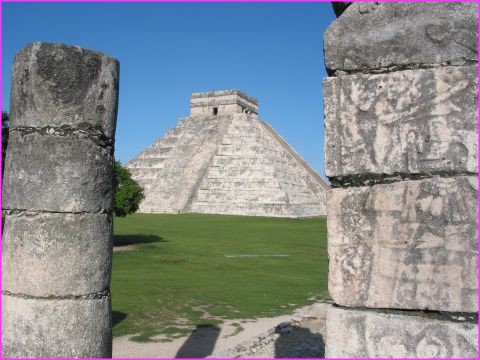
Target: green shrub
[128, 194]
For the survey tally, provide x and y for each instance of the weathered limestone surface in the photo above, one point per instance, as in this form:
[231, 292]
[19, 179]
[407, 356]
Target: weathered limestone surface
[402, 151]
[225, 101]
[55, 85]
[176, 164]
[255, 172]
[368, 334]
[70, 254]
[379, 36]
[407, 122]
[409, 244]
[50, 328]
[58, 190]
[61, 173]
[229, 163]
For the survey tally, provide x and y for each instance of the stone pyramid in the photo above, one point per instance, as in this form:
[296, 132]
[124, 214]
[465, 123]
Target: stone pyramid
[223, 160]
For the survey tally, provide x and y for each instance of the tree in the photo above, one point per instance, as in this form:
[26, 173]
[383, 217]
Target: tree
[128, 193]
[5, 130]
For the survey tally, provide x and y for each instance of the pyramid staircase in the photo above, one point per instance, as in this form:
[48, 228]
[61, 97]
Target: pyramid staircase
[227, 163]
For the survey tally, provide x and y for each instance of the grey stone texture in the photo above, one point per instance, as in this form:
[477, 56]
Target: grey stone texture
[402, 151]
[53, 328]
[225, 101]
[57, 173]
[368, 334]
[55, 254]
[229, 163]
[408, 122]
[409, 245]
[376, 36]
[55, 84]
[58, 190]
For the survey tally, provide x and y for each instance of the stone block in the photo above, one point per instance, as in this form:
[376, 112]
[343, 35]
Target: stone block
[52, 328]
[58, 174]
[54, 254]
[370, 334]
[407, 245]
[410, 122]
[380, 36]
[55, 85]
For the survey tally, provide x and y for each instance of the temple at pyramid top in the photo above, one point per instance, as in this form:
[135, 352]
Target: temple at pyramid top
[222, 102]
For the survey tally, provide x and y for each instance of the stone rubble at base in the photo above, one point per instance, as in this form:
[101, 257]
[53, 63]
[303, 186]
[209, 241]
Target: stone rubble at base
[223, 160]
[302, 336]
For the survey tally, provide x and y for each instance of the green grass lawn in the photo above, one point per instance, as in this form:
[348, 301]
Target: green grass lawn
[178, 270]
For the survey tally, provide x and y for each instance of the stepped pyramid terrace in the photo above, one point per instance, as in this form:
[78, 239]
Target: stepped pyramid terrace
[223, 160]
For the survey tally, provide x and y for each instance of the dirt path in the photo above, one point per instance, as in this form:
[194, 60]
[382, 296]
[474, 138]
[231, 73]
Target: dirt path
[255, 338]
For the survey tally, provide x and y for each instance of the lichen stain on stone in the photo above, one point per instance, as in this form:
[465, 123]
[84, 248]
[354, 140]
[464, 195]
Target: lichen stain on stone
[68, 72]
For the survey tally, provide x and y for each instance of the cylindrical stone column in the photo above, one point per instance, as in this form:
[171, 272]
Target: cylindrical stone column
[58, 193]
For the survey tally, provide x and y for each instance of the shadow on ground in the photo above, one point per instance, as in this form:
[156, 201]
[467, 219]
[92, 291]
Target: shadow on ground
[117, 317]
[124, 240]
[200, 343]
[298, 342]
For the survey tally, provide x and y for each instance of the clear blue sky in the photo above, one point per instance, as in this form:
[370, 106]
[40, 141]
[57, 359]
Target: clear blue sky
[272, 51]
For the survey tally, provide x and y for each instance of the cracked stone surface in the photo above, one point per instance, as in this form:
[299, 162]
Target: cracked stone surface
[369, 36]
[58, 174]
[409, 244]
[58, 193]
[401, 149]
[366, 334]
[413, 121]
[55, 84]
[46, 328]
[52, 254]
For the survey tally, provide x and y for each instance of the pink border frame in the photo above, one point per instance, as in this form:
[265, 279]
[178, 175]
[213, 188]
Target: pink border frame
[249, 1]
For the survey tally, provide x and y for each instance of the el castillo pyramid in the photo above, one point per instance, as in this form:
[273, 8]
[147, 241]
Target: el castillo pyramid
[223, 160]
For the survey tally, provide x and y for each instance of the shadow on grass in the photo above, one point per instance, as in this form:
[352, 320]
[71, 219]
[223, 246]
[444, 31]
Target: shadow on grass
[200, 343]
[124, 240]
[117, 317]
